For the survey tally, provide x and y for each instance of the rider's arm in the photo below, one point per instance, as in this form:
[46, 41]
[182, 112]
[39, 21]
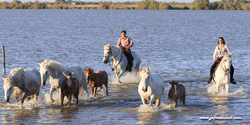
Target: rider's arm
[119, 43]
[228, 49]
[131, 42]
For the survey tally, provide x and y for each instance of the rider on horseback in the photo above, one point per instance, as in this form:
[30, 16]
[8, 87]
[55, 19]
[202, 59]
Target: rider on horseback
[125, 43]
[218, 55]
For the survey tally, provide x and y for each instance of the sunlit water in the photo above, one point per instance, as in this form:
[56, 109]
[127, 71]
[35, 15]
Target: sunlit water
[176, 44]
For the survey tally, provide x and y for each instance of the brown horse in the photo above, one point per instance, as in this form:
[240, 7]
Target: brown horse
[96, 80]
[176, 92]
[70, 86]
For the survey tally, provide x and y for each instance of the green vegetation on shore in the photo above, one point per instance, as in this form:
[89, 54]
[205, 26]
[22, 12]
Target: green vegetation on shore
[142, 5]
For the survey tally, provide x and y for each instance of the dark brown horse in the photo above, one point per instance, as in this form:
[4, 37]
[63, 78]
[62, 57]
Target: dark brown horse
[70, 86]
[176, 92]
[96, 80]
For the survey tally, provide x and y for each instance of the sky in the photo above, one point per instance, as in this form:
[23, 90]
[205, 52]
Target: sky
[187, 1]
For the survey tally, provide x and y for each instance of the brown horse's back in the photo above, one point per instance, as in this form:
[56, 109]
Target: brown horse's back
[75, 86]
[181, 90]
[102, 78]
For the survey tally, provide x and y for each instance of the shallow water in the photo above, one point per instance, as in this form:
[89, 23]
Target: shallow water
[177, 44]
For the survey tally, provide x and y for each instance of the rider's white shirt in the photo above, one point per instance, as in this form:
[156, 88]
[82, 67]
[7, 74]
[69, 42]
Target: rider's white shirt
[220, 52]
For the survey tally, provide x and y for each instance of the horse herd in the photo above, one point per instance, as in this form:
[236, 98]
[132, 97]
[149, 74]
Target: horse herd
[26, 83]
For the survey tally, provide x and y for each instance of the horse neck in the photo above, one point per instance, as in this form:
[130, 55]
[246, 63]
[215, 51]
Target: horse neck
[56, 74]
[116, 53]
[92, 76]
[220, 70]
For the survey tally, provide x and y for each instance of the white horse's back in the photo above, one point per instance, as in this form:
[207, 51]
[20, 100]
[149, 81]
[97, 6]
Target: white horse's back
[158, 88]
[79, 74]
[33, 80]
[136, 61]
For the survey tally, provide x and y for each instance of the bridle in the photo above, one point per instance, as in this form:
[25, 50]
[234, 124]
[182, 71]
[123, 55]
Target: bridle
[110, 53]
[222, 64]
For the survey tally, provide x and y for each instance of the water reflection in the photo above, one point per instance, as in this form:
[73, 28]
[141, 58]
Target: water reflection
[149, 118]
[20, 115]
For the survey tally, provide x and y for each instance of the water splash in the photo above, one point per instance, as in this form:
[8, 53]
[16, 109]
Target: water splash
[127, 78]
[147, 108]
[222, 92]
[43, 101]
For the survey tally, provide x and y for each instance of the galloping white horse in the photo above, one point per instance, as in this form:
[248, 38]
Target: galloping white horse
[55, 70]
[222, 74]
[119, 60]
[150, 87]
[22, 83]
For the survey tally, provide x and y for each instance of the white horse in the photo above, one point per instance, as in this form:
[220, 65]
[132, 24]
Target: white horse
[55, 70]
[22, 83]
[222, 74]
[150, 87]
[119, 60]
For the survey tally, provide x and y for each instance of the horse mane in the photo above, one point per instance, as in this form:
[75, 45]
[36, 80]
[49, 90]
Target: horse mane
[16, 75]
[107, 46]
[52, 65]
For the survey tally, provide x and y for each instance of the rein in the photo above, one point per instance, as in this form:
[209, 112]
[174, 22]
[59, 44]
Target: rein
[114, 57]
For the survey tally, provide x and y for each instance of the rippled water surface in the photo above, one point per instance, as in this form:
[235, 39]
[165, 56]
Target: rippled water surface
[176, 44]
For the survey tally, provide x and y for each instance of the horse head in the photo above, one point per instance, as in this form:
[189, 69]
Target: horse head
[68, 77]
[88, 71]
[8, 88]
[174, 87]
[49, 68]
[107, 53]
[226, 62]
[44, 72]
[145, 79]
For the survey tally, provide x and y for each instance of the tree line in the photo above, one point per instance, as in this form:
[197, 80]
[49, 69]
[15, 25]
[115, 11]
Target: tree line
[141, 5]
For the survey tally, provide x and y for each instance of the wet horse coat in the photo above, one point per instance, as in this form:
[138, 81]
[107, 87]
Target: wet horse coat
[150, 87]
[70, 86]
[22, 83]
[96, 80]
[119, 60]
[53, 69]
[177, 91]
[222, 73]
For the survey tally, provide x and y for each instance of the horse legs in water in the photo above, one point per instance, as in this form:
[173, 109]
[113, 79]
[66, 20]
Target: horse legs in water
[119, 74]
[51, 92]
[227, 86]
[152, 99]
[144, 101]
[158, 102]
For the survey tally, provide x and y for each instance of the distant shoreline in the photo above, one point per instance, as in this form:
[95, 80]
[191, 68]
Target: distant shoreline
[142, 5]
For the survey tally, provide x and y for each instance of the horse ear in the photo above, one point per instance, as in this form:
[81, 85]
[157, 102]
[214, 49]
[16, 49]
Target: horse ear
[147, 69]
[140, 69]
[92, 70]
[103, 44]
[84, 70]
[64, 74]
[39, 64]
